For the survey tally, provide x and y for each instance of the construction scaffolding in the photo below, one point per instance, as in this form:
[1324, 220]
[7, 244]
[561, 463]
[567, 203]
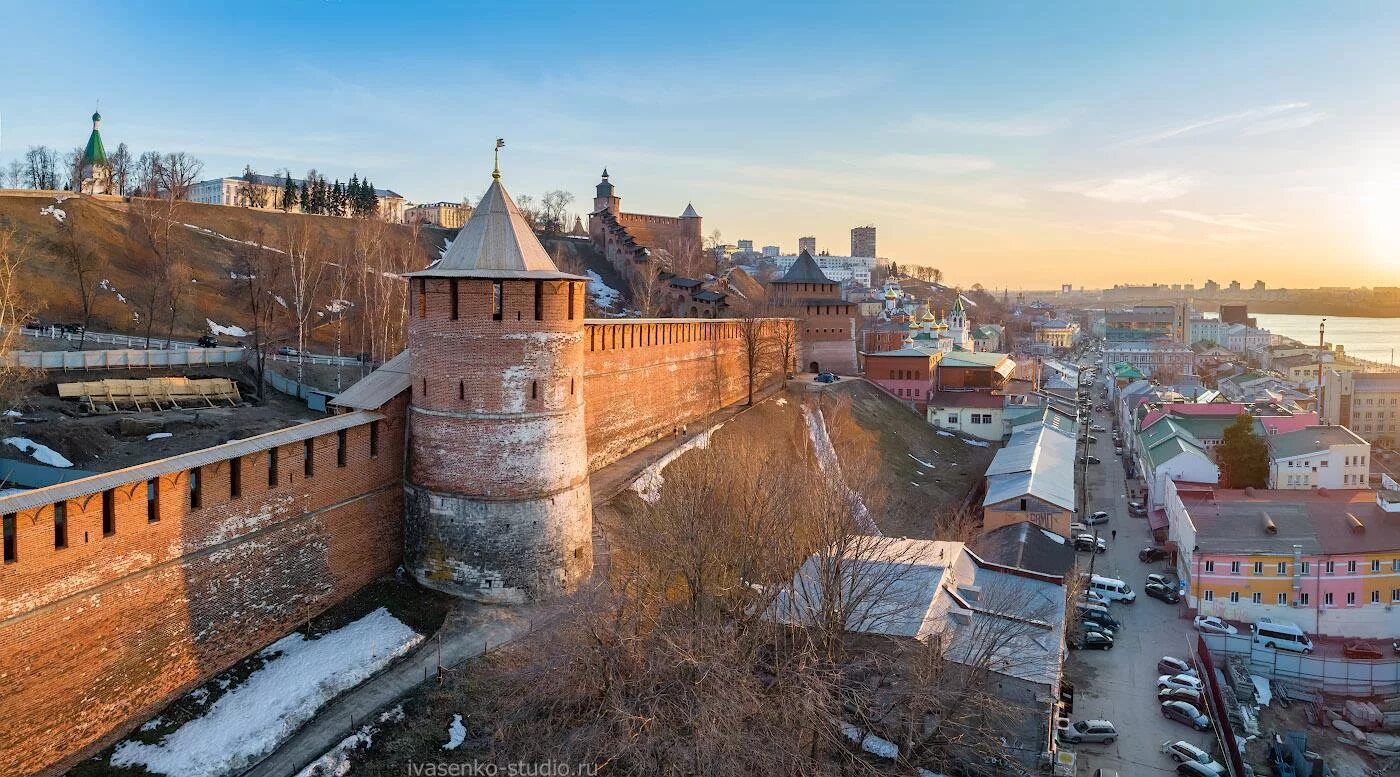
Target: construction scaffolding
[104, 396]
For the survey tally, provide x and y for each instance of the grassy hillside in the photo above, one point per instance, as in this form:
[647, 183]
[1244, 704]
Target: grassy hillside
[105, 223]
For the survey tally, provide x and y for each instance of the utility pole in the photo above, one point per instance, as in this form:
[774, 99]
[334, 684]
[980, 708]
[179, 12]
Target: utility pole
[1321, 344]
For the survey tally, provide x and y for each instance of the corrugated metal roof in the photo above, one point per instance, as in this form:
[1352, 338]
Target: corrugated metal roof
[1038, 461]
[375, 390]
[92, 485]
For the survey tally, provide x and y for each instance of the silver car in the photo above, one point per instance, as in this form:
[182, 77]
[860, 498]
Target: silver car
[1090, 731]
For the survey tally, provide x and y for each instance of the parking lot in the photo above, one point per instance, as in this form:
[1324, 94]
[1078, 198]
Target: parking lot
[1120, 684]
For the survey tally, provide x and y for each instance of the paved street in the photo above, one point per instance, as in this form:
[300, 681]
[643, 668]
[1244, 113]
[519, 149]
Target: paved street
[1120, 684]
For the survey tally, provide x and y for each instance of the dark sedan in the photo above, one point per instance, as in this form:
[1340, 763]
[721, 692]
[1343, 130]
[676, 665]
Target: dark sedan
[1164, 592]
[1181, 712]
[1149, 555]
[1092, 640]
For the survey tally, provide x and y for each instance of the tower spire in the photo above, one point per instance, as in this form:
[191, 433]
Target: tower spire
[496, 171]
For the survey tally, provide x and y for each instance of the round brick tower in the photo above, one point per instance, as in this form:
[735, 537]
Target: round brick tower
[497, 498]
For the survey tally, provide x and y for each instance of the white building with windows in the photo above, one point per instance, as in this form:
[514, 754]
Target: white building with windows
[1319, 457]
[837, 268]
[225, 191]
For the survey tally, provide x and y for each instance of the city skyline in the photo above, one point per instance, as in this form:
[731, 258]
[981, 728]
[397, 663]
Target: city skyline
[1018, 147]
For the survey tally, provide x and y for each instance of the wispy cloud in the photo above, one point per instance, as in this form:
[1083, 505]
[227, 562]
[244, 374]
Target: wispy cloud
[1153, 186]
[1283, 123]
[1016, 127]
[938, 164]
[1242, 221]
[1238, 118]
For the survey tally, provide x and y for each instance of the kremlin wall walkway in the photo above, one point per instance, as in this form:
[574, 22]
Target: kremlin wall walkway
[470, 629]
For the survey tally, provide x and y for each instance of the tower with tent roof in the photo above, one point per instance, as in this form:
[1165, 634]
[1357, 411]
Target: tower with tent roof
[94, 172]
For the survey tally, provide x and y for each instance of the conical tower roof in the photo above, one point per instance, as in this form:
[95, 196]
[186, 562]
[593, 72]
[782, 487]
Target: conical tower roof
[804, 270]
[958, 305]
[94, 153]
[690, 212]
[496, 242]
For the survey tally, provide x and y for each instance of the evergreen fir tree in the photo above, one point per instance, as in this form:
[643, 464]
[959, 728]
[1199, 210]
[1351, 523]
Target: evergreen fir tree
[305, 198]
[289, 192]
[371, 200]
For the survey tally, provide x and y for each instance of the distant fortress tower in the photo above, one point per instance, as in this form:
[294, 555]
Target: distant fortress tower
[497, 499]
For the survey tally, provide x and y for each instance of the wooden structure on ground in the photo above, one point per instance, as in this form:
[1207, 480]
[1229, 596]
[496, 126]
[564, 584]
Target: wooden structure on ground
[99, 396]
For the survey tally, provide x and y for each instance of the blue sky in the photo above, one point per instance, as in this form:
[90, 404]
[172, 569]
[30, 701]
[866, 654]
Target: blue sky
[1010, 144]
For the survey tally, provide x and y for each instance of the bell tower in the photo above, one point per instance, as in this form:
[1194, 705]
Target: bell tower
[497, 499]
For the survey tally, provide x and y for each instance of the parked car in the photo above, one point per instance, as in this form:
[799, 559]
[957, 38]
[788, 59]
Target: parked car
[1181, 712]
[1209, 624]
[1086, 542]
[1091, 439]
[208, 341]
[1105, 772]
[287, 350]
[1118, 450]
[1093, 597]
[1360, 650]
[1182, 751]
[1096, 518]
[1194, 698]
[1089, 731]
[1089, 459]
[1088, 626]
[827, 377]
[1096, 428]
[1092, 640]
[1166, 593]
[1101, 619]
[1189, 681]
[1193, 769]
[1173, 665]
[1077, 528]
[1137, 508]
[1156, 577]
[1150, 554]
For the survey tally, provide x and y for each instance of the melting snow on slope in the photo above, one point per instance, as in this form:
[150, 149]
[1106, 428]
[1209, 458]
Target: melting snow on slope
[978, 443]
[280, 301]
[446, 246]
[41, 453]
[967, 301]
[456, 733]
[780, 401]
[648, 484]
[212, 233]
[869, 742]
[831, 465]
[603, 295]
[921, 461]
[338, 305]
[250, 720]
[55, 211]
[159, 436]
[336, 761]
[220, 329]
[942, 433]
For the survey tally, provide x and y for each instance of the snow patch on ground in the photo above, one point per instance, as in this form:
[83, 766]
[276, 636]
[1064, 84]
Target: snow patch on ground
[158, 435]
[230, 330]
[212, 233]
[870, 743]
[336, 761]
[648, 484]
[280, 301]
[603, 295]
[942, 433]
[967, 301]
[456, 733]
[249, 721]
[152, 724]
[978, 443]
[41, 453]
[338, 305]
[1261, 689]
[831, 465]
[446, 246]
[13, 414]
[921, 461]
[55, 211]
[780, 401]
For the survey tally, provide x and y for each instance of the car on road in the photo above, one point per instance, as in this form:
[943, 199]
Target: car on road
[1150, 554]
[1106, 773]
[1085, 731]
[1188, 681]
[1360, 650]
[1165, 593]
[1088, 626]
[1118, 450]
[1181, 712]
[1137, 508]
[1091, 439]
[1193, 769]
[827, 377]
[287, 350]
[1182, 751]
[1194, 698]
[1096, 428]
[1077, 528]
[1094, 597]
[1209, 624]
[1096, 518]
[1173, 665]
[1087, 542]
[1156, 577]
[208, 341]
[1089, 459]
[1107, 621]
[1092, 640]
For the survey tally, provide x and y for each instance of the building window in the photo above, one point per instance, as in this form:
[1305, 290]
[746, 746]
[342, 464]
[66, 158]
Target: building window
[1330, 567]
[1375, 597]
[1303, 567]
[953, 418]
[1234, 597]
[422, 297]
[153, 500]
[452, 295]
[1283, 598]
[498, 302]
[1258, 568]
[374, 439]
[1209, 595]
[571, 300]
[272, 468]
[109, 512]
[1327, 600]
[60, 524]
[235, 477]
[1210, 566]
[340, 439]
[1234, 567]
[1351, 598]
[11, 540]
[1283, 567]
[1257, 598]
[1375, 565]
[1303, 598]
[196, 488]
[1395, 594]
[539, 300]
[1351, 567]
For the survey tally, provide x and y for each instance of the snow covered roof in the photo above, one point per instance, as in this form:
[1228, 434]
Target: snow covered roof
[496, 242]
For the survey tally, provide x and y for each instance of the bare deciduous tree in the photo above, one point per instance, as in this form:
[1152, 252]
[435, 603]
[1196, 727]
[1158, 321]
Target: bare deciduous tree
[84, 265]
[251, 193]
[178, 172]
[258, 275]
[15, 310]
[41, 168]
[157, 240]
[73, 168]
[648, 288]
[122, 166]
[306, 272]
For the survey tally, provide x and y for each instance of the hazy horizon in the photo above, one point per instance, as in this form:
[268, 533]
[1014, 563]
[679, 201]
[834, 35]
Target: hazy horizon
[1015, 146]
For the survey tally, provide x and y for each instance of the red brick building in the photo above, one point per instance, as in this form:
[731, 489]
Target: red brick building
[827, 335]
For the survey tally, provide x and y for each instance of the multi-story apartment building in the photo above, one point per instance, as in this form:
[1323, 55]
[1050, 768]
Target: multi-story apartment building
[1328, 561]
[1367, 403]
[1318, 457]
[1146, 322]
[448, 215]
[863, 241]
[1055, 334]
[808, 244]
[1155, 358]
[1201, 329]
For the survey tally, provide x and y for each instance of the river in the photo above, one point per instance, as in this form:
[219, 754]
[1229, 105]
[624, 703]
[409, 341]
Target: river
[1376, 339]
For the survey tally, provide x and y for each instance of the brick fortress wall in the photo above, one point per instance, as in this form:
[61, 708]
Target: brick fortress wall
[643, 378]
[96, 636]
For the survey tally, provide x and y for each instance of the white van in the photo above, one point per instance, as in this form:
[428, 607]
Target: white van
[1281, 635]
[1112, 589]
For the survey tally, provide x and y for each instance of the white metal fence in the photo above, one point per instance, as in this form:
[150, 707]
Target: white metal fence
[1328, 673]
[309, 358]
[124, 359]
[125, 341]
